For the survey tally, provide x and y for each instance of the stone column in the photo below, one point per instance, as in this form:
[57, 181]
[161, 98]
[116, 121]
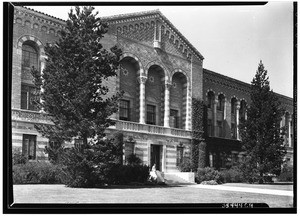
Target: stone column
[238, 106]
[215, 117]
[188, 108]
[167, 105]
[142, 80]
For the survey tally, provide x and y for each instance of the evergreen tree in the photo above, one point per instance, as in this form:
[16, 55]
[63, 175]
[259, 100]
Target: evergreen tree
[261, 134]
[73, 93]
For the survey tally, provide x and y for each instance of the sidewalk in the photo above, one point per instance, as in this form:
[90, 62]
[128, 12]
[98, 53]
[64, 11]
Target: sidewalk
[245, 189]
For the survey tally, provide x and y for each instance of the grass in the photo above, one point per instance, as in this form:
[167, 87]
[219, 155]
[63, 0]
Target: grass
[163, 194]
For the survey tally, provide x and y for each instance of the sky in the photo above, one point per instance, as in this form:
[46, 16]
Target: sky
[232, 39]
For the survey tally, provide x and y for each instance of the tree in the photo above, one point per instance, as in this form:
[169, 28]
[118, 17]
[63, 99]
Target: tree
[73, 93]
[261, 134]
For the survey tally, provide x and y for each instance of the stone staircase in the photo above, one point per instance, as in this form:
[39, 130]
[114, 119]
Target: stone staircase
[179, 178]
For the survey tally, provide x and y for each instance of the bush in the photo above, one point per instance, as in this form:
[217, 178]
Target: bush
[92, 165]
[186, 165]
[234, 174]
[18, 157]
[132, 159]
[126, 174]
[208, 174]
[37, 173]
[286, 174]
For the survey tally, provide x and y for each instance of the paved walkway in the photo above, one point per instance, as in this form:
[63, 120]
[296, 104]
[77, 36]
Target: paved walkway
[245, 189]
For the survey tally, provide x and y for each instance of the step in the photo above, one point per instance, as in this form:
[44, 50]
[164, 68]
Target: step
[179, 178]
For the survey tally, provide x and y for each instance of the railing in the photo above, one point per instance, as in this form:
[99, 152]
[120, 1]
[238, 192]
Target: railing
[30, 116]
[151, 129]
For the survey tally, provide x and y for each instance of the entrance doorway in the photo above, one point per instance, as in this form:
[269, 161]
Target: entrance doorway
[156, 156]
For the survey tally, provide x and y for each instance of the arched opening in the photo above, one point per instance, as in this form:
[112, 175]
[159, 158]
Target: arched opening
[243, 110]
[178, 97]
[210, 113]
[220, 116]
[233, 118]
[129, 104]
[155, 95]
[221, 102]
[30, 58]
[210, 99]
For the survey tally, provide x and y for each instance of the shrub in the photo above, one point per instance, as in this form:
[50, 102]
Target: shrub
[37, 173]
[18, 157]
[132, 159]
[92, 165]
[126, 174]
[208, 174]
[234, 174]
[286, 174]
[185, 165]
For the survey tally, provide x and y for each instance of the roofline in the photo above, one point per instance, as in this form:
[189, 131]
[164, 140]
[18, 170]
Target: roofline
[155, 12]
[243, 83]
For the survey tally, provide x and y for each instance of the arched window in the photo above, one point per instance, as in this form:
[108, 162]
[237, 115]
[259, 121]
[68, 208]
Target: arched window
[233, 104]
[210, 100]
[29, 56]
[221, 102]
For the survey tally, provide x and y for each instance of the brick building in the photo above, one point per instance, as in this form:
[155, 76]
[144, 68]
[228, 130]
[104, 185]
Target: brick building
[163, 73]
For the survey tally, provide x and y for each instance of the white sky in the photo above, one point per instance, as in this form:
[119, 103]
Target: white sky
[232, 39]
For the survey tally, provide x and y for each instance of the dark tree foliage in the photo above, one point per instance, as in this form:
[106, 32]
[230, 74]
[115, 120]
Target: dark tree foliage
[72, 90]
[93, 165]
[261, 134]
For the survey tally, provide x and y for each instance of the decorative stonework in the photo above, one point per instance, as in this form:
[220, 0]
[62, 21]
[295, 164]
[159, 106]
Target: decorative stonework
[30, 116]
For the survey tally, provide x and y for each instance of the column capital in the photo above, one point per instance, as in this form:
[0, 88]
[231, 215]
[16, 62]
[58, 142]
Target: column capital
[142, 79]
[168, 85]
[216, 100]
[238, 105]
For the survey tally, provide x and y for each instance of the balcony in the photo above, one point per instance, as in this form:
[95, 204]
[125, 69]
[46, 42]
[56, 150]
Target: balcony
[151, 129]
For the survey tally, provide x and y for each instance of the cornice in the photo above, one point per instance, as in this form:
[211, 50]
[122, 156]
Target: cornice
[39, 16]
[154, 14]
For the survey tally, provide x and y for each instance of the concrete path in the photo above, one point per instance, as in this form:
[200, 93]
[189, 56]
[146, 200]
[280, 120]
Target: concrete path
[245, 189]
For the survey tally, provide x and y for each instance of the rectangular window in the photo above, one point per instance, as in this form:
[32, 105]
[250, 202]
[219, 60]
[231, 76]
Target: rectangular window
[29, 146]
[78, 143]
[179, 159]
[151, 114]
[220, 128]
[27, 97]
[174, 118]
[209, 127]
[124, 110]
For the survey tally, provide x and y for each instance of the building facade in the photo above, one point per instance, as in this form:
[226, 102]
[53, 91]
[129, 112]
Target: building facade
[162, 73]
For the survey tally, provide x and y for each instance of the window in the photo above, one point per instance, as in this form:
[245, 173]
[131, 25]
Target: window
[221, 103]
[78, 144]
[29, 57]
[150, 114]
[210, 100]
[233, 131]
[174, 118]
[29, 146]
[233, 101]
[124, 110]
[28, 97]
[209, 127]
[179, 158]
[220, 128]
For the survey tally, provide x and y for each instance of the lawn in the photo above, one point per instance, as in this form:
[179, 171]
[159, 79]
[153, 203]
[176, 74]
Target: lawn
[166, 194]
